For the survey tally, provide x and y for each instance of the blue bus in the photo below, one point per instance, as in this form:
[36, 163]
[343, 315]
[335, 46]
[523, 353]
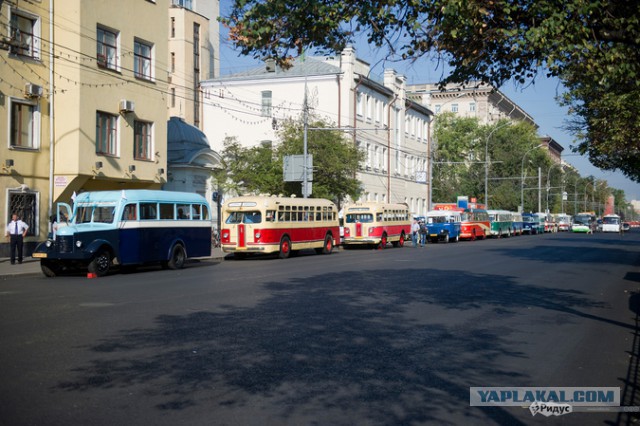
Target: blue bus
[128, 228]
[532, 223]
[443, 225]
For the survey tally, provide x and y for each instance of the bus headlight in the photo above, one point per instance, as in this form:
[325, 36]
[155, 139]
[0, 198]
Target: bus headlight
[49, 243]
[78, 243]
[257, 235]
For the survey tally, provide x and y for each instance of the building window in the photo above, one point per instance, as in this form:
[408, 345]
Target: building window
[173, 27]
[438, 108]
[266, 103]
[472, 107]
[359, 104]
[106, 134]
[142, 60]
[454, 107]
[25, 205]
[25, 34]
[107, 49]
[173, 62]
[25, 128]
[142, 140]
[173, 97]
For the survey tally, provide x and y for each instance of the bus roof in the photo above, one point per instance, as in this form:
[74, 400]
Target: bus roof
[373, 205]
[135, 195]
[273, 200]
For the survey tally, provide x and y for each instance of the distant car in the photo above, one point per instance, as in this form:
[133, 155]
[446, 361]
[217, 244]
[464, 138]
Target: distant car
[626, 226]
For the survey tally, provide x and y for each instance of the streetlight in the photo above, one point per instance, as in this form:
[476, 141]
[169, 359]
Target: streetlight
[522, 175]
[549, 181]
[486, 163]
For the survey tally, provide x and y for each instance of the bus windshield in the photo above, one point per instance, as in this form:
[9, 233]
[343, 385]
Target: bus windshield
[244, 217]
[360, 217]
[611, 220]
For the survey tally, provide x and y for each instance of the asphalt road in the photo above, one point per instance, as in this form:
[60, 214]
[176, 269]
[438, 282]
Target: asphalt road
[360, 337]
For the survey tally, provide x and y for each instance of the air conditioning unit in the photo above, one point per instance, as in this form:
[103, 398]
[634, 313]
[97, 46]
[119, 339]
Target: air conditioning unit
[32, 90]
[127, 106]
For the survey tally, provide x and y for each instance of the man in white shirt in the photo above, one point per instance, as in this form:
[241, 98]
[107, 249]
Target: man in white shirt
[16, 231]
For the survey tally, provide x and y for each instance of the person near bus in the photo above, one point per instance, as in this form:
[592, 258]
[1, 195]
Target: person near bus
[16, 231]
[423, 233]
[415, 230]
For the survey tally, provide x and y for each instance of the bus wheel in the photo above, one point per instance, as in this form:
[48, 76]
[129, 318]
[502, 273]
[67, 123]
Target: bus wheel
[49, 268]
[327, 248]
[456, 238]
[383, 242]
[446, 238]
[285, 248]
[178, 256]
[100, 263]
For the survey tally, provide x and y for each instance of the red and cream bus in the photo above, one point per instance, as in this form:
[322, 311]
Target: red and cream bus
[475, 224]
[376, 224]
[270, 224]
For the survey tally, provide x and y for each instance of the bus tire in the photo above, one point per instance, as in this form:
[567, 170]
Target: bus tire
[101, 263]
[327, 248]
[446, 238]
[178, 256]
[285, 248]
[383, 242]
[456, 239]
[49, 268]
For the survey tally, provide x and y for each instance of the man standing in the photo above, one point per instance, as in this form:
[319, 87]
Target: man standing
[415, 229]
[16, 231]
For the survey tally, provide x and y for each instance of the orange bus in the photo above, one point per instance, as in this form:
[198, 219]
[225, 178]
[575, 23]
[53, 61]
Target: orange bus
[376, 224]
[270, 224]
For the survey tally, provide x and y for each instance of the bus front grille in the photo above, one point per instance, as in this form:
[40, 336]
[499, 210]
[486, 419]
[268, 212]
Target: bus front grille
[65, 244]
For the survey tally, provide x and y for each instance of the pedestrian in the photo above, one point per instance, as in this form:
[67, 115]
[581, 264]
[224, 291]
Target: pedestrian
[16, 231]
[423, 234]
[415, 230]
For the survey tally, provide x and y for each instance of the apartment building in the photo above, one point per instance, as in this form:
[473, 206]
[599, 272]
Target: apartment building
[85, 101]
[375, 114]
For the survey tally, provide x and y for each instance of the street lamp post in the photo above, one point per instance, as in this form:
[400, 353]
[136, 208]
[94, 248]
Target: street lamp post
[486, 164]
[522, 175]
[549, 181]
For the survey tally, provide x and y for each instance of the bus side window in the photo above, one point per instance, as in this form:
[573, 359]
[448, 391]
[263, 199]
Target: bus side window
[166, 211]
[184, 211]
[271, 214]
[129, 212]
[148, 211]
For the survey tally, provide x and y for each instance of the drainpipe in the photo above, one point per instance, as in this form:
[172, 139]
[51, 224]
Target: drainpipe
[51, 109]
[395, 98]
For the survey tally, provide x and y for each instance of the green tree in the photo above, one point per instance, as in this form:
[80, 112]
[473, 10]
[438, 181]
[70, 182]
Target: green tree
[258, 169]
[593, 47]
[335, 159]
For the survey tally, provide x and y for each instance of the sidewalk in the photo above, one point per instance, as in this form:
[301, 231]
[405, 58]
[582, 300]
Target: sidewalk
[31, 266]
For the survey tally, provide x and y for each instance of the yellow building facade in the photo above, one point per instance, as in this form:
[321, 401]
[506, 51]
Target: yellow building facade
[84, 102]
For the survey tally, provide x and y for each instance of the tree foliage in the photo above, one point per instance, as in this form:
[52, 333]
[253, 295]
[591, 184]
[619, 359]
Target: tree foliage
[593, 47]
[258, 169]
[459, 167]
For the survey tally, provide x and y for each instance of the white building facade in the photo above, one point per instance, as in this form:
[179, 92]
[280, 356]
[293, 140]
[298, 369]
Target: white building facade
[391, 129]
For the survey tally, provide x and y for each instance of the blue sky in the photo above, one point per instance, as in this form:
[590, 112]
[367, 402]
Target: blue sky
[537, 99]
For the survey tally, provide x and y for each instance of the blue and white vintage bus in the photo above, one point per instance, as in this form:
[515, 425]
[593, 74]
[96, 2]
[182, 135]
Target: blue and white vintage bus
[517, 223]
[128, 228]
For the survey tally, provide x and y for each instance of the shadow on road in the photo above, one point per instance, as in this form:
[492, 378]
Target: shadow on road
[364, 345]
